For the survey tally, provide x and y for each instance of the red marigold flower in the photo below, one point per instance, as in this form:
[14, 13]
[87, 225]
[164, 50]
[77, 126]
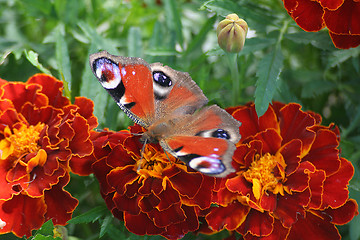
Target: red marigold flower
[151, 194]
[40, 132]
[341, 17]
[290, 181]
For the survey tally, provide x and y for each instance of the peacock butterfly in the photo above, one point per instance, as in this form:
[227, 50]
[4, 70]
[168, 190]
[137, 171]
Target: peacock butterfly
[170, 106]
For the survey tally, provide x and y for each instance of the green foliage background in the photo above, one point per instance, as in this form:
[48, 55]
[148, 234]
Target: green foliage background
[280, 62]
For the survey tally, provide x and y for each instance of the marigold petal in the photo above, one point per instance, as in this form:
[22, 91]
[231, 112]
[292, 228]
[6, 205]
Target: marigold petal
[345, 20]
[299, 180]
[59, 211]
[291, 154]
[257, 223]
[6, 187]
[343, 214]
[294, 124]
[331, 4]
[81, 144]
[141, 224]
[86, 108]
[306, 13]
[168, 197]
[22, 214]
[174, 214]
[178, 230]
[313, 227]
[101, 169]
[271, 141]
[335, 187]
[130, 205]
[38, 160]
[345, 41]
[120, 177]
[324, 153]
[203, 197]
[52, 88]
[230, 217]
[291, 207]
[316, 185]
[186, 183]
[151, 185]
[251, 124]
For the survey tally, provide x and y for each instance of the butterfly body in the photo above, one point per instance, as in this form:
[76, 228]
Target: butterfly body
[170, 106]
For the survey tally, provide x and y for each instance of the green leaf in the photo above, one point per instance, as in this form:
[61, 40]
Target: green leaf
[256, 44]
[33, 58]
[105, 225]
[90, 216]
[47, 228]
[42, 237]
[268, 73]
[317, 87]
[340, 56]
[63, 59]
[173, 19]
[134, 42]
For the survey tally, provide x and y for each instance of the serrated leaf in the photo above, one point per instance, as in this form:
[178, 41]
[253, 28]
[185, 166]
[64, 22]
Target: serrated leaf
[90, 216]
[341, 56]
[105, 225]
[268, 73]
[42, 237]
[134, 42]
[33, 58]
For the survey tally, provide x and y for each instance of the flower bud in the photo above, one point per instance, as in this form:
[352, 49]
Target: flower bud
[231, 33]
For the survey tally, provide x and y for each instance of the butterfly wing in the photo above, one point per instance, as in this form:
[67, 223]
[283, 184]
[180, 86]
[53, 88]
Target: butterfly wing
[129, 81]
[205, 141]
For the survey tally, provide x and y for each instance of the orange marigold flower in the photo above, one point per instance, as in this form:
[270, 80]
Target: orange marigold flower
[290, 182]
[151, 194]
[40, 132]
[341, 17]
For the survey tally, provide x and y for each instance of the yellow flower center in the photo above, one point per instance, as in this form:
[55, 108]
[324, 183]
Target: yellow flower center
[267, 173]
[20, 142]
[153, 162]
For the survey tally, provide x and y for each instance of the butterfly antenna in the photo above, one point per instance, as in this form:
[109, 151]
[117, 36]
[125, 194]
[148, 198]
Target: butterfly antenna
[142, 156]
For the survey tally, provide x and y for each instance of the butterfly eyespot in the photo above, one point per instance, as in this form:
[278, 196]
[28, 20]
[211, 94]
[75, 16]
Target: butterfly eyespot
[207, 165]
[162, 79]
[220, 133]
[107, 72]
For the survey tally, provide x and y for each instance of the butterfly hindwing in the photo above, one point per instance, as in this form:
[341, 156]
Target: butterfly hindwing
[205, 141]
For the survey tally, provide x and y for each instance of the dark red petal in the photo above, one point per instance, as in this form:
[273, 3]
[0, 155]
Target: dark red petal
[60, 204]
[343, 214]
[168, 197]
[141, 224]
[174, 214]
[291, 207]
[331, 4]
[22, 214]
[324, 153]
[239, 185]
[291, 154]
[313, 227]
[279, 232]
[119, 157]
[86, 108]
[126, 204]
[178, 230]
[52, 88]
[229, 217]
[294, 124]
[101, 169]
[81, 144]
[316, 183]
[345, 20]
[299, 180]
[120, 177]
[345, 41]
[20, 93]
[251, 124]
[306, 13]
[204, 196]
[6, 187]
[271, 141]
[186, 183]
[42, 182]
[335, 187]
[151, 185]
[257, 224]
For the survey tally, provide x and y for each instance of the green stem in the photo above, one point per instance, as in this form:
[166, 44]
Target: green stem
[234, 70]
